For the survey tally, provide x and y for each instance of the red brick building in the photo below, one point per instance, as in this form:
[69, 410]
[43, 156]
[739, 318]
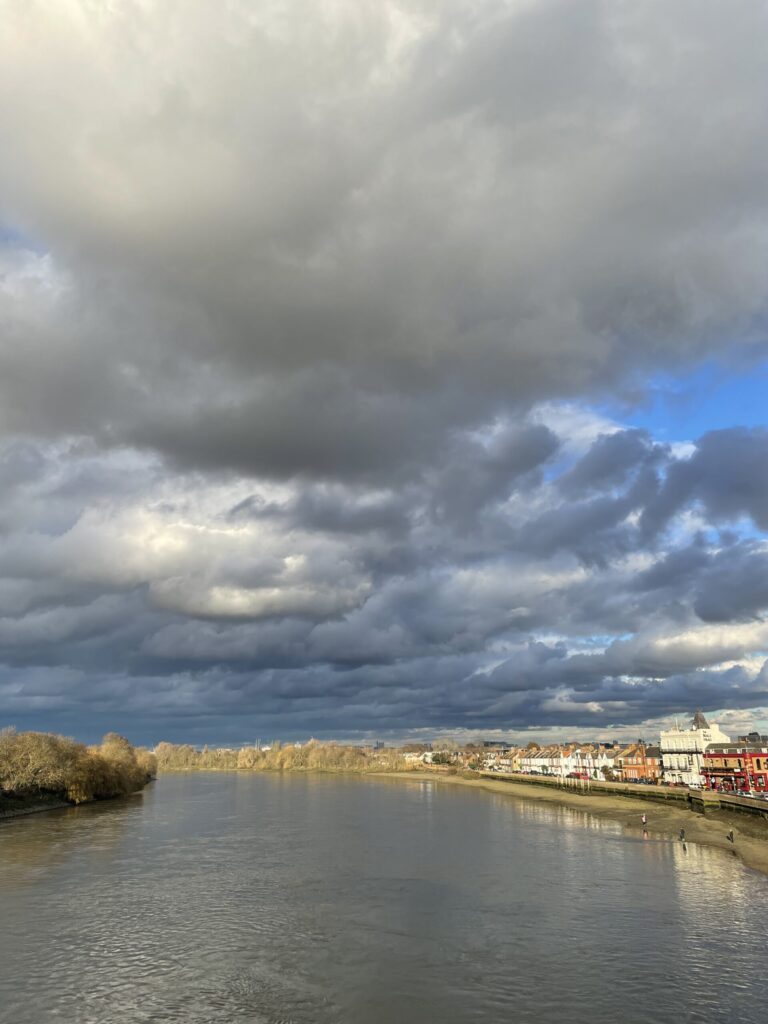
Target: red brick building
[641, 764]
[736, 767]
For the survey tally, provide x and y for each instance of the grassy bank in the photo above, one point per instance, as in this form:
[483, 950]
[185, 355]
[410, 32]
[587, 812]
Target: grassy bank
[42, 770]
[664, 820]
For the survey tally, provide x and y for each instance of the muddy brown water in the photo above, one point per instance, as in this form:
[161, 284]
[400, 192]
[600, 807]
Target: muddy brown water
[287, 898]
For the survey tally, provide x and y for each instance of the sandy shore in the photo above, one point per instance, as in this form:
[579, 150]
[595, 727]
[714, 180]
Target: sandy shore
[664, 820]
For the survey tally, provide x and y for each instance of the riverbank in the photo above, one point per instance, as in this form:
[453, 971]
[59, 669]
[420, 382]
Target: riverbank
[17, 808]
[664, 820]
[43, 771]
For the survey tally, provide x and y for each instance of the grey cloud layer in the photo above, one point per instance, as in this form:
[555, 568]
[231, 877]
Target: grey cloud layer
[282, 288]
[335, 608]
[311, 238]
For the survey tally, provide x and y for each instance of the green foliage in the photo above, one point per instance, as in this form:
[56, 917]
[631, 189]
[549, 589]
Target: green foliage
[442, 757]
[37, 763]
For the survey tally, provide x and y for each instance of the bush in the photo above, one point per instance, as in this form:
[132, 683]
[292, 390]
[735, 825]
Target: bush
[37, 763]
[312, 756]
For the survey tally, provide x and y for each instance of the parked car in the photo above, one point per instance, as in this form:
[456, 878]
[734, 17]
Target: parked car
[577, 775]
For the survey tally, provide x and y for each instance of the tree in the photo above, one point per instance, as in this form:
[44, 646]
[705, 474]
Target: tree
[442, 757]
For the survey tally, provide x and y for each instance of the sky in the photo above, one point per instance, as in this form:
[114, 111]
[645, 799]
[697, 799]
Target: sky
[383, 368]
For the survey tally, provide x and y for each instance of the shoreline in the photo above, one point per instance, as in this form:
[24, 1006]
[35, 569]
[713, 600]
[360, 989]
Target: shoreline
[38, 808]
[59, 804]
[664, 820]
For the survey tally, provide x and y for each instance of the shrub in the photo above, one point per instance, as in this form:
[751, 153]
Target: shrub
[35, 763]
[311, 756]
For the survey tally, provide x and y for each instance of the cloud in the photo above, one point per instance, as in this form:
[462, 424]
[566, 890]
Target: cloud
[245, 271]
[304, 333]
[322, 607]
[725, 473]
[609, 463]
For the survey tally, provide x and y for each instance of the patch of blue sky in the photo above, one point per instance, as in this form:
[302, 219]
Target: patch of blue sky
[605, 639]
[711, 397]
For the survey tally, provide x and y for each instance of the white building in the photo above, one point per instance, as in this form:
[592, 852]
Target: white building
[545, 760]
[682, 750]
[535, 761]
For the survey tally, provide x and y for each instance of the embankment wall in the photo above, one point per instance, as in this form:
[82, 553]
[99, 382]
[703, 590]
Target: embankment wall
[697, 800]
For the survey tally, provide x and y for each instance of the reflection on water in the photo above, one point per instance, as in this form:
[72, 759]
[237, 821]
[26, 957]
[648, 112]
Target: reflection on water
[266, 898]
[32, 845]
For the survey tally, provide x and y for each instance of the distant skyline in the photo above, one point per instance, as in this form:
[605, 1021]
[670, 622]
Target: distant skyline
[383, 370]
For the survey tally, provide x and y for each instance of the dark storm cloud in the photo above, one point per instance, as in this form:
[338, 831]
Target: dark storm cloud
[609, 463]
[675, 570]
[199, 596]
[734, 585]
[312, 242]
[294, 328]
[727, 474]
[476, 475]
[590, 529]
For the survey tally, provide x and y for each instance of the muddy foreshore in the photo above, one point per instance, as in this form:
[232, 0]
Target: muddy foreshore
[664, 820]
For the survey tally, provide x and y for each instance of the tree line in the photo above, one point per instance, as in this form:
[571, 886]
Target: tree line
[39, 764]
[312, 756]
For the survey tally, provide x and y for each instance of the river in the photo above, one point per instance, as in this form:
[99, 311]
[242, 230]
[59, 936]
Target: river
[289, 898]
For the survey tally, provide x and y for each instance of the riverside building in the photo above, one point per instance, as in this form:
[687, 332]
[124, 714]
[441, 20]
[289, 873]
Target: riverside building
[641, 763]
[738, 767]
[682, 750]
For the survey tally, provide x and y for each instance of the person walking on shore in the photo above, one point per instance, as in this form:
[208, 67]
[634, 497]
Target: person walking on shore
[644, 820]
[682, 835]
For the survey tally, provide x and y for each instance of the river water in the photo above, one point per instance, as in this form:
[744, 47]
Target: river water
[268, 898]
